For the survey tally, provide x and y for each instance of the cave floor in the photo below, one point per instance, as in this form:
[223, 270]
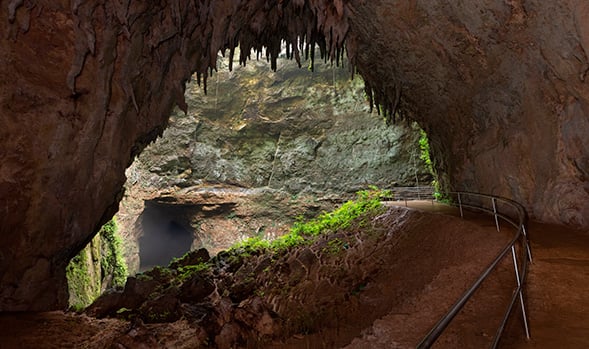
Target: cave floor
[557, 301]
[557, 287]
[558, 290]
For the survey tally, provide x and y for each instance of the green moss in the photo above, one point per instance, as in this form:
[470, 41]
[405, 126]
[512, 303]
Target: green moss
[83, 274]
[186, 272]
[367, 202]
[98, 266]
[113, 264]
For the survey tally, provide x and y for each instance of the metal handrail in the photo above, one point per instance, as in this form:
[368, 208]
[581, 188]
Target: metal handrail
[464, 200]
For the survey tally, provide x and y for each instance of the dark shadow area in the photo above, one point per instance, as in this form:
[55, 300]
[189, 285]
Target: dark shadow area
[166, 234]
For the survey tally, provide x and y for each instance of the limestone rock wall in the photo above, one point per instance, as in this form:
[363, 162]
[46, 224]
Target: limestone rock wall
[262, 148]
[500, 86]
[72, 113]
[292, 130]
[85, 85]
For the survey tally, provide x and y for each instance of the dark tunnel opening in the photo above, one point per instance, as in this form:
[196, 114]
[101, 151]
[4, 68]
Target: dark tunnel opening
[167, 234]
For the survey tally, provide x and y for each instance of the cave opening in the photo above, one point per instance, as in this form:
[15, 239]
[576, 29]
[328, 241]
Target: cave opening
[259, 151]
[491, 111]
[271, 146]
[166, 234]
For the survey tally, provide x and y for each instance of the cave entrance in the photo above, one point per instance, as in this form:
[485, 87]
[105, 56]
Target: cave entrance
[167, 234]
[265, 147]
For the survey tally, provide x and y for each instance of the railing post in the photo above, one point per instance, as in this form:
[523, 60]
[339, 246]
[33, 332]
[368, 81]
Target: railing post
[441, 325]
[521, 297]
[495, 213]
[527, 243]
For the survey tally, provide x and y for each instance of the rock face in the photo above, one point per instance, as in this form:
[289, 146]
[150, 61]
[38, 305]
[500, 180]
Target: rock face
[110, 75]
[501, 89]
[97, 267]
[499, 86]
[292, 130]
[160, 225]
[248, 161]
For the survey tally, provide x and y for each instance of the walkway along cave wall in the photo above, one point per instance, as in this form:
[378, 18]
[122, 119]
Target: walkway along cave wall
[499, 86]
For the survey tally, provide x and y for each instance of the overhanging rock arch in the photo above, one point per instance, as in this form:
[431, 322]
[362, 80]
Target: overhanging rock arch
[500, 86]
[113, 71]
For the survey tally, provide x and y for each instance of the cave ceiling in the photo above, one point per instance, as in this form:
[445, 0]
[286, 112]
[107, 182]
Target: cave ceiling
[500, 87]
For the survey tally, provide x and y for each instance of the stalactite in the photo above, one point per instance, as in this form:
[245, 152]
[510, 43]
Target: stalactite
[126, 63]
[13, 5]
[261, 26]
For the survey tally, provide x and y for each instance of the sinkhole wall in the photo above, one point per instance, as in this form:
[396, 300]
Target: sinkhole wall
[500, 87]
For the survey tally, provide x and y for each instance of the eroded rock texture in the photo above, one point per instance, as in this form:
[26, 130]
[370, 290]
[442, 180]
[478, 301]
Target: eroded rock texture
[292, 130]
[500, 86]
[85, 85]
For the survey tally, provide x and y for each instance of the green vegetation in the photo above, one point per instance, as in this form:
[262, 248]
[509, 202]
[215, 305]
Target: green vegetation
[341, 218]
[425, 151]
[187, 271]
[426, 158]
[112, 261]
[367, 201]
[83, 276]
[98, 266]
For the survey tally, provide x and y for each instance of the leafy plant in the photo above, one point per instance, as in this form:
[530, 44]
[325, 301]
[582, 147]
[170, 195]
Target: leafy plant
[251, 245]
[304, 232]
[425, 151]
[341, 218]
[287, 241]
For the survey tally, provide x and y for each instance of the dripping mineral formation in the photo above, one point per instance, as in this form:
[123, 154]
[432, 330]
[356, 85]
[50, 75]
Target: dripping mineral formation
[501, 88]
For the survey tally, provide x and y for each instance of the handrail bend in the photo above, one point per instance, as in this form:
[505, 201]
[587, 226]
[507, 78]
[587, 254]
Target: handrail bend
[517, 218]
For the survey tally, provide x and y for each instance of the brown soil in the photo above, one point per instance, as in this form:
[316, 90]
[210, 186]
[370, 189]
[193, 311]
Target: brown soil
[558, 290]
[411, 273]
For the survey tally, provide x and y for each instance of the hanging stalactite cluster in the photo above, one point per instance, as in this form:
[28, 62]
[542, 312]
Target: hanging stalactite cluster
[199, 30]
[113, 71]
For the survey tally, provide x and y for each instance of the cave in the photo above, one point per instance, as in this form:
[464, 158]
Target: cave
[500, 88]
[166, 235]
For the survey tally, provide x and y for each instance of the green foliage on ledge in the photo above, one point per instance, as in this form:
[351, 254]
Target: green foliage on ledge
[367, 203]
[341, 218]
[100, 265]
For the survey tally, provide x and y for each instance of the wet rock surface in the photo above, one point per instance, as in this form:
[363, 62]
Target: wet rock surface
[323, 294]
[259, 150]
[499, 86]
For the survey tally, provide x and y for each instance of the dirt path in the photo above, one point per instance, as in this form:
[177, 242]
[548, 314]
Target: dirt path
[474, 327]
[557, 288]
[451, 252]
[422, 273]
